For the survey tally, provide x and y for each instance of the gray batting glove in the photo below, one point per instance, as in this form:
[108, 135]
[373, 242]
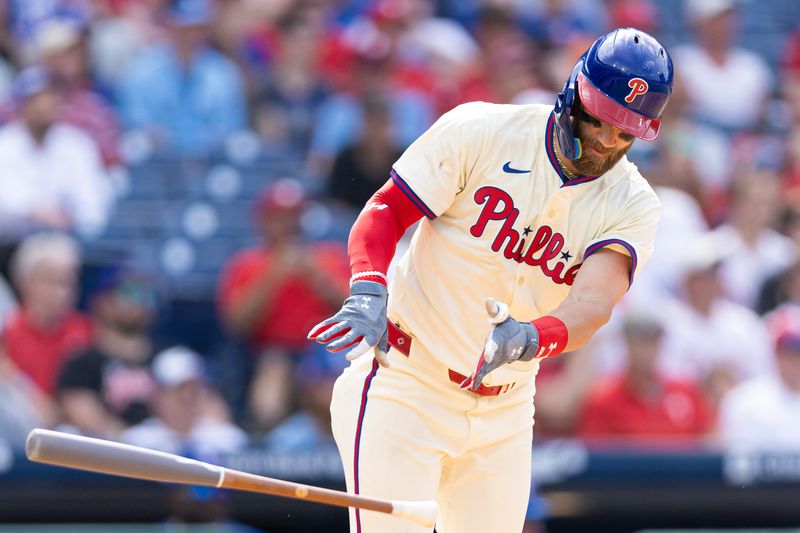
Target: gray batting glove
[507, 341]
[360, 324]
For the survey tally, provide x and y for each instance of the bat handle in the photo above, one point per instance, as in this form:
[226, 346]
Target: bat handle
[497, 311]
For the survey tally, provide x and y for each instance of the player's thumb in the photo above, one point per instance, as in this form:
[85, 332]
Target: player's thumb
[382, 350]
[358, 350]
[490, 347]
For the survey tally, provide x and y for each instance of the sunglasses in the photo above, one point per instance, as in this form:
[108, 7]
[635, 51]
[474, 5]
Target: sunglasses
[137, 293]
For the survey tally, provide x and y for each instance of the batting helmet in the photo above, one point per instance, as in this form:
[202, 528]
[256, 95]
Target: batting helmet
[625, 79]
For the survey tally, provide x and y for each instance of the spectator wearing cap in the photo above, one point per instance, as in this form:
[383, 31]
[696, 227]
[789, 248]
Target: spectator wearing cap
[186, 420]
[60, 44]
[763, 414]
[53, 176]
[641, 403]
[108, 386]
[709, 338]
[185, 411]
[728, 86]
[309, 429]
[47, 328]
[270, 295]
[187, 96]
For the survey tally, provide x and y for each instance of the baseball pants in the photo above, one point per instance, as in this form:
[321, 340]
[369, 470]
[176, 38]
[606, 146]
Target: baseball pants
[409, 433]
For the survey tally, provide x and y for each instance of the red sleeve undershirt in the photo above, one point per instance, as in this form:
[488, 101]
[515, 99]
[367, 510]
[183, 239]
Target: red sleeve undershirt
[376, 231]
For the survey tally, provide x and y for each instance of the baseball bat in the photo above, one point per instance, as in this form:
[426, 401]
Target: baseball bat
[497, 311]
[116, 459]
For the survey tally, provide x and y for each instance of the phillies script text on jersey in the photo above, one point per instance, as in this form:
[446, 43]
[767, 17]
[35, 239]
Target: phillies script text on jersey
[500, 206]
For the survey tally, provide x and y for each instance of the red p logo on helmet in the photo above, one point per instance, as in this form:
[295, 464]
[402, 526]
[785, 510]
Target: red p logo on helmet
[638, 86]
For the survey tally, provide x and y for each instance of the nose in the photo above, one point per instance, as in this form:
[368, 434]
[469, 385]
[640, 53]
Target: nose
[608, 136]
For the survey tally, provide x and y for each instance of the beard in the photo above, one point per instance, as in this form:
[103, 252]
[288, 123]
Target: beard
[591, 163]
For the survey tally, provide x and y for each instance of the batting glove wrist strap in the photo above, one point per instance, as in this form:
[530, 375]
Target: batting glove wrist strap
[370, 288]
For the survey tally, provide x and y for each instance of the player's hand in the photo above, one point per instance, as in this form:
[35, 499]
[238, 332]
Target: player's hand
[359, 325]
[507, 341]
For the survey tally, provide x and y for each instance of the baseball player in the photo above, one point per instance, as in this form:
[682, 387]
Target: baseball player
[534, 225]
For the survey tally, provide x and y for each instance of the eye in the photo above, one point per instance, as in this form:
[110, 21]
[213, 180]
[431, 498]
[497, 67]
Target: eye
[586, 117]
[627, 137]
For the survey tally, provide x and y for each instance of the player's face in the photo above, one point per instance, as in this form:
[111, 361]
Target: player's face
[602, 144]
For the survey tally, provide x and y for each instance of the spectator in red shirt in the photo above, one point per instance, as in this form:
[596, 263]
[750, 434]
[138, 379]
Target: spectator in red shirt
[271, 295]
[640, 403]
[46, 329]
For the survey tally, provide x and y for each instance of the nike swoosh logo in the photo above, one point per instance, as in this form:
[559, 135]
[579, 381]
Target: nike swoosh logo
[507, 168]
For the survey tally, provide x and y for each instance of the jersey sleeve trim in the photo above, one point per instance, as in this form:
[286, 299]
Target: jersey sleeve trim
[615, 243]
[409, 192]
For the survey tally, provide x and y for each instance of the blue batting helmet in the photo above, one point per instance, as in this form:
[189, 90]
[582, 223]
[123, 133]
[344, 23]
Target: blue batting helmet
[625, 79]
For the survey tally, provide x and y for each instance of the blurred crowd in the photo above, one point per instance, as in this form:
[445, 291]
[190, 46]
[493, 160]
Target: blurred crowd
[703, 352]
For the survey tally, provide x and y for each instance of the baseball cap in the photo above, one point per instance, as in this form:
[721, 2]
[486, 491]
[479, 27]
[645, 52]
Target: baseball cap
[128, 284]
[284, 193]
[191, 12]
[704, 252]
[177, 365]
[699, 10]
[56, 35]
[784, 326]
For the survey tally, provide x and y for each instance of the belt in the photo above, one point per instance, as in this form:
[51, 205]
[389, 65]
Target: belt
[401, 341]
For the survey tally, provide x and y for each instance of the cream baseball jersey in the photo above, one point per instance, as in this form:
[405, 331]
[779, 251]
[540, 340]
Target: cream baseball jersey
[501, 220]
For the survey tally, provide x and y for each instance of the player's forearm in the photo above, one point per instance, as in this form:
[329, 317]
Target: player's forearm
[381, 224]
[582, 318]
[600, 285]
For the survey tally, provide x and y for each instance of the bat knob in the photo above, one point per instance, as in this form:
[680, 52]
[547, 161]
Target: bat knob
[497, 311]
[423, 513]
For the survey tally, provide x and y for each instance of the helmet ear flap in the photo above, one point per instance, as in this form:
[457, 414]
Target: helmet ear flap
[568, 144]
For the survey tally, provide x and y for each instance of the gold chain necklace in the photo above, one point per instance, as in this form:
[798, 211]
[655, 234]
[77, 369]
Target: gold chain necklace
[567, 173]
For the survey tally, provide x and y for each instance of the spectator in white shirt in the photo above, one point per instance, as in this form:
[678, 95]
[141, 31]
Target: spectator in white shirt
[709, 338]
[51, 174]
[756, 251]
[727, 85]
[763, 414]
[189, 418]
